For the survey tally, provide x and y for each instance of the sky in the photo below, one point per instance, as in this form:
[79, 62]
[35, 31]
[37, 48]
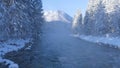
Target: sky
[68, 6]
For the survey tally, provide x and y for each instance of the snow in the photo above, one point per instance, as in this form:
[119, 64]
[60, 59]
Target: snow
[14, 66]
[9, 46]
[109, 5]
[28, 48]
[111, 41]
[57, 15]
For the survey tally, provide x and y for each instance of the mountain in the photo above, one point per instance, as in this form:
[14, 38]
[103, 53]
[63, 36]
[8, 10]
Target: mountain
[102, 17]
[57, 16]
[57, 21]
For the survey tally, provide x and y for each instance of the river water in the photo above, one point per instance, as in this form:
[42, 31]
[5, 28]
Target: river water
[61, 50]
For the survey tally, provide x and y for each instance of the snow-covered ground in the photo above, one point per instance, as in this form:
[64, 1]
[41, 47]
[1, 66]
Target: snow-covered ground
[111, 41]
[9, 46]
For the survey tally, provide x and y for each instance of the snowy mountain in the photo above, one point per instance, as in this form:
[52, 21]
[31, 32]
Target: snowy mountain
[102, 17]
[57, 21]
[57, 16]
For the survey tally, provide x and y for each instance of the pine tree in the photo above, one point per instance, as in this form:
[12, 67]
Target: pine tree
[20, 18]
[95, 19]
[36, 19]
[77, 23]
[102, 17]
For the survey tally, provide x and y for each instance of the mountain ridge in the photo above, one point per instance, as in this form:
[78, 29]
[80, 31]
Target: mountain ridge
[57, 15]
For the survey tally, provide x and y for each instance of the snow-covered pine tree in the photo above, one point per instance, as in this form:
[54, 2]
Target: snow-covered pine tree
[20, 18]
[77, 24]
[113, 15]
[94, 18]
[35, 13]
[102, 17]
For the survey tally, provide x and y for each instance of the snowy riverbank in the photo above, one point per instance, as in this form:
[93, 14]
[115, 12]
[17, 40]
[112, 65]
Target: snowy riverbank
[111, 41]
[9, 46]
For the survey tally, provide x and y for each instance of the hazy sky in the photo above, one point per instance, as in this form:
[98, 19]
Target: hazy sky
[68, 6]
